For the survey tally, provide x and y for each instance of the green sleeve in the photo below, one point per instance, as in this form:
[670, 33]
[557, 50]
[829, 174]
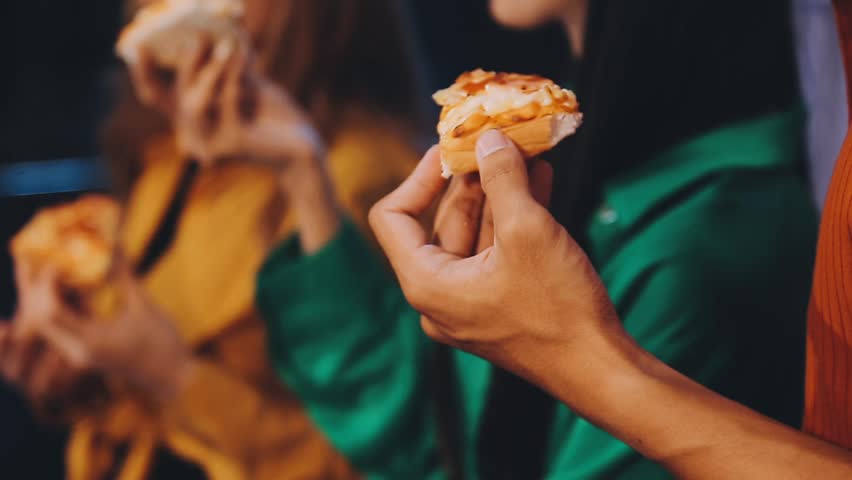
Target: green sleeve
[670, 329]
[344, 339]
[723, 301]
[688, 318]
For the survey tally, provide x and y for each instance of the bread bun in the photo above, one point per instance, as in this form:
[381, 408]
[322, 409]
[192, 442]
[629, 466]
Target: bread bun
[164, 27]
[532, 111]
[76, 239]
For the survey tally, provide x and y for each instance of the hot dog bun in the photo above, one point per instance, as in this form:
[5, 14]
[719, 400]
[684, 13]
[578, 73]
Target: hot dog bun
[532, 111]
[162, 28]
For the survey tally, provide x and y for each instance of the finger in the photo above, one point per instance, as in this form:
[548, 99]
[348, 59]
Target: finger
[45, 374]
[67, 377]
[44, 282]
[5, 342]
[239, 93]
[541, 182]
[459, 215]
[486, 228]
[394, 219]
[128, 283]
[22, 354]
[204, 105]
[42, 301]
[8, 352]
[23, 272]
[155, 84]
[503, 175]
[5, 331]
[72, 336]
[432, 330]
[23, 278]
[70, 340]
[212, 77]
[144, 75]
[197, 53]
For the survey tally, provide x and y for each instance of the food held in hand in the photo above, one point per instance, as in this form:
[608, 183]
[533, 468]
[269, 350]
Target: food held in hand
[76, 239]
[532, 111]
[163, 28]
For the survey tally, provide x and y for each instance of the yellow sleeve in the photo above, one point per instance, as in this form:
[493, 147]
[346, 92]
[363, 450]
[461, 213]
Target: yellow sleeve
[365, 165]
[236, 429]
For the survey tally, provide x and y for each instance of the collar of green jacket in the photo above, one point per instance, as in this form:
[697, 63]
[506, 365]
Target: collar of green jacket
[767, 142]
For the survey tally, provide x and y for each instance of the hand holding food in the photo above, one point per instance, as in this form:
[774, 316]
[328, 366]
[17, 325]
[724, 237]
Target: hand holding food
[27, 360]
[75, 294]
[116, 345]
[77, 239]
[532, 111]
[192, 60]
[519, 301]
[77, 242]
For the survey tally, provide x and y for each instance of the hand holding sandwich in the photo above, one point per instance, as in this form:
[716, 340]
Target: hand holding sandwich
[533, 304]
[222, 109]
[520, 302]
[193, 62]
[138, 344]
[27, 361]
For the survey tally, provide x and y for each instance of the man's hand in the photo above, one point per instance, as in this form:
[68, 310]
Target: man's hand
[529, 293]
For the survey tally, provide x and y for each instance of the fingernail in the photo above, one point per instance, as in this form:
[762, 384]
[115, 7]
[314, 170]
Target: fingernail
[489, 142]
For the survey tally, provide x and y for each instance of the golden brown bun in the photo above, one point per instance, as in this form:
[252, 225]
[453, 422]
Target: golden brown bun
[533, 137]
[76, 239]
[532, 111]
[164, 27]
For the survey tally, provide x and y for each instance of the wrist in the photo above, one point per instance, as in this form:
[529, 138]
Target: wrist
[312, 200]
[178, 374]
[618, 386]
[305, 178]
[591, 374]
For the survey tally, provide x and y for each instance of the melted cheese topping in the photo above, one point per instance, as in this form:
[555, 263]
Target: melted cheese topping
[494, 94]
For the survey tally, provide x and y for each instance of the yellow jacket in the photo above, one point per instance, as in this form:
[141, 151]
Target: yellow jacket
[234, 419]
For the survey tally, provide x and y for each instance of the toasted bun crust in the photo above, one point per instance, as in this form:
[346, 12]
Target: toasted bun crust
[77, 239]
[164, 27]
[532, 111]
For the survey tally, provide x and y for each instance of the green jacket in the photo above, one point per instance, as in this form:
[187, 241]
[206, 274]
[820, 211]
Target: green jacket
[706, 252]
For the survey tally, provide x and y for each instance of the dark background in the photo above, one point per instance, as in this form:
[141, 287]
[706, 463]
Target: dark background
[57, 59]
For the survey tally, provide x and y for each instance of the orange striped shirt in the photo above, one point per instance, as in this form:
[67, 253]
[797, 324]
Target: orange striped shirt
[828, 386]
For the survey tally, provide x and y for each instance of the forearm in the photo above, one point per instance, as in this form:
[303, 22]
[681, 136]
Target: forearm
[692, 431]
[312, 199]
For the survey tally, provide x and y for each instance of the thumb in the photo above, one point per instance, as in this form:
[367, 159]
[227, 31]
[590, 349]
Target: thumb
[503, 175]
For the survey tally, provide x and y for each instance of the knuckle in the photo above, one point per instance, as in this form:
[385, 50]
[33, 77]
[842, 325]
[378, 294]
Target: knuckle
[516, 228]
[81, 362]
[415, 293]
[431, 330]
[194, 104]
[502, 162]
[468, 206]
[495, 172]
[374, 216]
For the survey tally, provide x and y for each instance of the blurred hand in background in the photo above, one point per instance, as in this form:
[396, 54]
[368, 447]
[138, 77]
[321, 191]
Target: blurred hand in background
[221, 108]
[139, 345]
[27, 361]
